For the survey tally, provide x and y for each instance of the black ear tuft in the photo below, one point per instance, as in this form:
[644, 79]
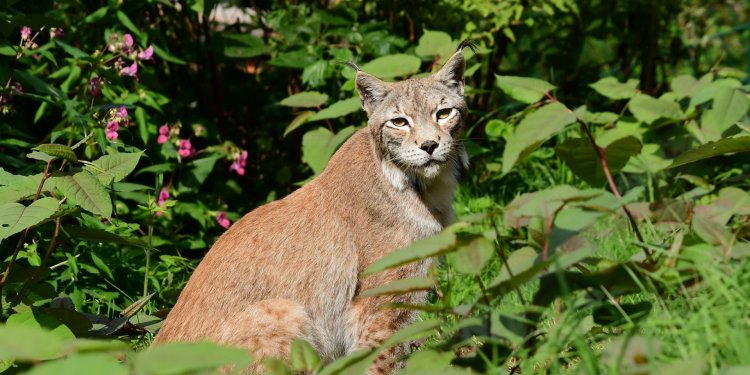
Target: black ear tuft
[467, 43]
[350, 64]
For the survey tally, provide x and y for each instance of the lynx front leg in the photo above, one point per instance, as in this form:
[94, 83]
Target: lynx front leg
[372, 326]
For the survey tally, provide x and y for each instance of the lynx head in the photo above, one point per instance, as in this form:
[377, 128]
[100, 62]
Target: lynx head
[417, 124]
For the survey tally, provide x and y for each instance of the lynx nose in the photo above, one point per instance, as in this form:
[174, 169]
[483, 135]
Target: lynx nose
[429, 146]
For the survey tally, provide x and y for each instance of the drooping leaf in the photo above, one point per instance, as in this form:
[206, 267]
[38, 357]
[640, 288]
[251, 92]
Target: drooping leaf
[533, 130]
[113, 168]
[338, 109]
[306, 99]
[400, 286]
[420, 249]
[125, 20]
[649, 109]
[60, 151]
[15, 217]
[392, 66]
[614, 89]
[524, 89]
[84, 190]
[473, 256]
[579, 155]
[298, 121]
[319, 144]
[711, 149]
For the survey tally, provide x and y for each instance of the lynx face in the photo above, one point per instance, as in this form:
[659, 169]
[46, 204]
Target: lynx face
[418, 123]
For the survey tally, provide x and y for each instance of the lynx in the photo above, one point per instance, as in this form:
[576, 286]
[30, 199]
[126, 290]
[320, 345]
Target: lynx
[290, 269]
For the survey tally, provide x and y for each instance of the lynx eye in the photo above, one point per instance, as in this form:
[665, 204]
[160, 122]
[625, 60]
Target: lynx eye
[400, 122]
[444, 113]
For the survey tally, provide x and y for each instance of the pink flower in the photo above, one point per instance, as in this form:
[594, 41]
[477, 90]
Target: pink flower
[128, 42]
[96, 86]
[147, 54]
[186, 149]
[163, 134]
[239, 164]
[223, 220]
[163, 196]
[112, 129]
[123, 115]
[25, 33]
[56, 32]
[129, 71]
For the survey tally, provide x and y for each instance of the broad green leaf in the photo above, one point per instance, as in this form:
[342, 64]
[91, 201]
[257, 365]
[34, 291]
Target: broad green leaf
[99, 235]
[201, 168]
[711, 149]
[181, 358]
[425, 360]
[113, 168]
[730, 105]
[84, 190]
[518, 261]
[318, 145]
[73, 51]
[125, 20]
[303, 356]
[424, 248]
[533, 130]
[298, 121]
[614, 89]
[649, 109]
[28, 343]
[306, 99]
[60, 151]
[15, 187]
[411, 332]
[298, 59]
[524, 89]
[392, 66]
[473, 256]
[95, 363]
[579, 155]
[436, 43]
[686, 86]
[400, 286]
[498, 128]
[38, 155]
[709, 91]
[15, 217]
[344, 365]
[38, 319]
[243, 45]
[338, 109]
[166, 56]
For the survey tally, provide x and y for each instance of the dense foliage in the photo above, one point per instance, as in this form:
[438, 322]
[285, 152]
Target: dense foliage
[603, 226]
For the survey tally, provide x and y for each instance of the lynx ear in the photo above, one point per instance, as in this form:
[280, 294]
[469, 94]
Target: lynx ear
[371, 90]
[452, 73]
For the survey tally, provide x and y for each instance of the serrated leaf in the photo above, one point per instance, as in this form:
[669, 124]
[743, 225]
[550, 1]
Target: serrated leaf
[400, 286]
[392, 66]
[15, 217]
[338, 109]
[614, 89]
[84, 190]
[711, 149]
[424, 248]
[113, 168]
[648, 109]
[318, 145]
[60, 151]
[473, 256]
[579, 155]
[305, 99]
[524, 89]
[298, 121]
[533, 130]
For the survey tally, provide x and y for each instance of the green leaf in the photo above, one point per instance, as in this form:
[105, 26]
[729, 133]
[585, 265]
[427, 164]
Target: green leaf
[524, 89]
[343, 365]
[648, 109]
[303, 356]
[338, 109]
[202, 167]
[614, 89]
[686, 86]
[473, 256]
[28, 343]
[411, 332]
[243, 45]
[113, 168]
[166, 56]
[533, 130]
[60, 151]
[298, 121]
[392, 66]
[180, 358]
[73, 51]
[96, 15]
[712, 149]
[306, 99]
[99, 235]
[730, 105]
[38, 319]
[15, 217]
[579, 155]
[96, 363]
[41, 87]
[125, 20]
[518, 261]
[424, 248]
[297, 59]
[318, 145]
[84, 190]
[400, 286]
[436, 44]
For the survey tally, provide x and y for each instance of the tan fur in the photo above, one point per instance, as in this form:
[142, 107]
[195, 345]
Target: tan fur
[290, 269]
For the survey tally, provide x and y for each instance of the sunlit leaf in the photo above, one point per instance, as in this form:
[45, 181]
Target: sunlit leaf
[392, 66]
[115, 167]
[15, 217]
[306, 99]
[400, 286]
[649, 109]
[84, 190]
[712, 149]
[524, 89]
[614, 89]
